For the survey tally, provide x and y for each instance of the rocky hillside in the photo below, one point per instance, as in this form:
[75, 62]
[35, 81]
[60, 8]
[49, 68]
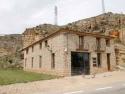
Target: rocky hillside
[35, 33]
[9, 49]
[10, 44]
[101, 23]
[104, 23]
[42, 29]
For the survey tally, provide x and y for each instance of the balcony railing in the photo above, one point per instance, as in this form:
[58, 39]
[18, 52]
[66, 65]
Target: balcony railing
[84, 47]
[98, 48]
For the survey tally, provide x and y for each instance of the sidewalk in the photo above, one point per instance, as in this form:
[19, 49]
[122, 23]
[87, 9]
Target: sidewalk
[64, 84]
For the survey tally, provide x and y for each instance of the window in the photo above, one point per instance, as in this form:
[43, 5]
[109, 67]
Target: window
[46, 43]
[25, 62]
[107, 42]
[32, 48]
[22, 56]
[81, 41]
[40, 45]
[108, 61]
[94, 62]
[53, 61]
[40, 61]
[98, 42]
[32, 62]
[27, 50]
[99, 59]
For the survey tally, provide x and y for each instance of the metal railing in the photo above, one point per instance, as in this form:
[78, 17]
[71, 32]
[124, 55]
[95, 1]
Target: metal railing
[85, 47]
[98, 48]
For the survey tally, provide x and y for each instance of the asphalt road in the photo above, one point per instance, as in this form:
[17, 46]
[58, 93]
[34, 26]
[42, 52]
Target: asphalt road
[120, 90]
[115, 88]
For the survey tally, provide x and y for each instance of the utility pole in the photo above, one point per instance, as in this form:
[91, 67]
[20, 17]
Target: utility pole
[103, 6]
[56, 15]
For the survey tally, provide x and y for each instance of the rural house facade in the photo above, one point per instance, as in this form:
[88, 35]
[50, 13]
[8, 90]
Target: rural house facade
[67, 52]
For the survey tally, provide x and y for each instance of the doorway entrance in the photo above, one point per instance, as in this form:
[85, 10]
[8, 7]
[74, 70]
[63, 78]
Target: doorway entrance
[108, 62]
[80, 63]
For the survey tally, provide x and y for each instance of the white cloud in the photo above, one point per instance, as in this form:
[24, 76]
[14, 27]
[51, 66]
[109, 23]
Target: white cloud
[5, 5]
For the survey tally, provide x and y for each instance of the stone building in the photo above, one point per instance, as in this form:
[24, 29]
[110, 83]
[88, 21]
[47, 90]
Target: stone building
[69, 52]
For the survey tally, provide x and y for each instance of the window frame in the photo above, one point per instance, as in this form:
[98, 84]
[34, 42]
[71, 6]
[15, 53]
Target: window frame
[98, 42]
[108, 42]
[27, 50]
[99, 62]
[25, 63]
[53, 61]
[40, 45]
[94, 59]
[33, 48]
[32, 61]
[40, 61]
[46, 43]
[81, 41]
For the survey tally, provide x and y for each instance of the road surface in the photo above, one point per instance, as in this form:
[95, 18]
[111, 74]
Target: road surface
[115, 88]
[105, 83]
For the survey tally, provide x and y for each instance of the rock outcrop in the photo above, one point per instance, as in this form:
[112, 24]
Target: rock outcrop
[36, 33]
[10, 44]
[101, 23]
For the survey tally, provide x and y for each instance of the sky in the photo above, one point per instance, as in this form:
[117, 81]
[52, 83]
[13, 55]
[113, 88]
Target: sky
[17, 15]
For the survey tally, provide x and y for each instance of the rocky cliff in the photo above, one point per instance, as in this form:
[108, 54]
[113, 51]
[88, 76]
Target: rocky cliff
[101, 23]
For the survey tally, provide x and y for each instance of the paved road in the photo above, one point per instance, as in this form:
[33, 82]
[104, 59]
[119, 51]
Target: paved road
[120, 90]
[115, 88]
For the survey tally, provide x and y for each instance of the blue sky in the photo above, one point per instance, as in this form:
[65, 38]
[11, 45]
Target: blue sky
[17, 15]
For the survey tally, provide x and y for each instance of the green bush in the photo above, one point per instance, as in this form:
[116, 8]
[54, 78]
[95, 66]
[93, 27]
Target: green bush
[9, 62]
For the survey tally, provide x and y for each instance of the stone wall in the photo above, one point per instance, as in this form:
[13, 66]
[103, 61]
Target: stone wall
[62, 49]
[73, 45]
[55, 45]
